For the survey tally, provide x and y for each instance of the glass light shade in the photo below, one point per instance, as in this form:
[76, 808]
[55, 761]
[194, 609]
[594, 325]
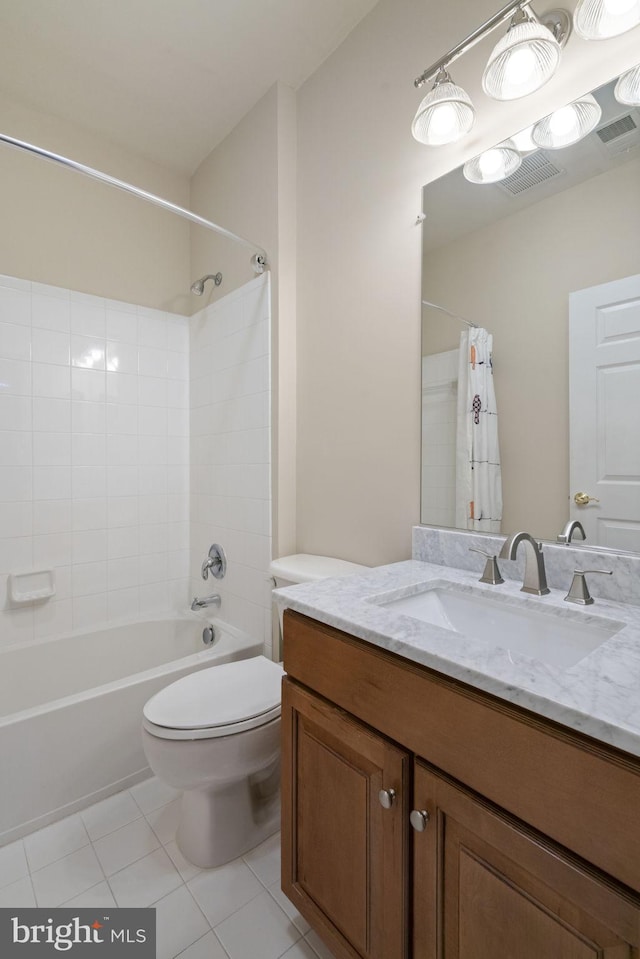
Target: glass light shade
[601, 19]
[568, 125]
[493, 165]
[627, 88]
[445, 115]
[523, 141]
[522, 61]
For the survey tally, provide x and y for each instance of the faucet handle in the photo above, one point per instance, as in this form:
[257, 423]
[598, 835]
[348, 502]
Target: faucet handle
[491, 572]
[216, 564]
[579, 590]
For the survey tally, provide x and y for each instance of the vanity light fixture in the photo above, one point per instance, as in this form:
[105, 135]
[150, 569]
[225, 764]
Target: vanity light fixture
[601, 19]
[521, 62]
[493, 165]
[523, 141]
[525, 58]
[568, 125]
[627, 89]
[445, 114]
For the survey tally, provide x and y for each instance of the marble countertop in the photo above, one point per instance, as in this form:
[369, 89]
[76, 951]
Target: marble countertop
[598, 696]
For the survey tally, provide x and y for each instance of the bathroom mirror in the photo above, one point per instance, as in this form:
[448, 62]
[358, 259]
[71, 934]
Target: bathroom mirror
[547, 261]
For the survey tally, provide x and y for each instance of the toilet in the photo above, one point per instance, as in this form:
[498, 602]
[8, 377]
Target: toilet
[215, 734]
[304, 568]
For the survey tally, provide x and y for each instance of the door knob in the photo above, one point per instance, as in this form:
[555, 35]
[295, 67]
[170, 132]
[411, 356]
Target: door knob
[419, 819]
[387, 797]
[583, 499]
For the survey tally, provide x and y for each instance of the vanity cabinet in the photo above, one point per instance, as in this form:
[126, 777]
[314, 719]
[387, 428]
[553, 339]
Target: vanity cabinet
[487, 888]
[524, 839]
[347, 852]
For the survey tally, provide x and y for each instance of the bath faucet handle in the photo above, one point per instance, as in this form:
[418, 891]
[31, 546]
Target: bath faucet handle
[579, 590]
[216, 564]
[491, 573]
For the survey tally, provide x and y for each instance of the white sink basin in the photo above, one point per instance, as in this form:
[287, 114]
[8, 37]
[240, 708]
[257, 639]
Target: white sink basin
[560, 640]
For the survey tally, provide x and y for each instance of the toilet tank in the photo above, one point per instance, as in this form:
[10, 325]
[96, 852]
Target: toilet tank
[304, 568]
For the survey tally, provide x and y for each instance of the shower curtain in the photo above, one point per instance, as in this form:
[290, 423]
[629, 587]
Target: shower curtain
[478, 473]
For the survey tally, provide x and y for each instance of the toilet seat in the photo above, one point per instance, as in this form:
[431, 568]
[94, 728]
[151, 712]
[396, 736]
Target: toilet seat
[217, 701]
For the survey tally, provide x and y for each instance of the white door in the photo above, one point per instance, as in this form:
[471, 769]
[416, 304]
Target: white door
[604, 389]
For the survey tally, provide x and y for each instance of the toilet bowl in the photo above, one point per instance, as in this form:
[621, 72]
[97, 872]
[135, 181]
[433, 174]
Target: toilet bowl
[215, 734]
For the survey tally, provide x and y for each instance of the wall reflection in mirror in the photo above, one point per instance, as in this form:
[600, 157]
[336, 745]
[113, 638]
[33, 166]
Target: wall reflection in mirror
[542, 267]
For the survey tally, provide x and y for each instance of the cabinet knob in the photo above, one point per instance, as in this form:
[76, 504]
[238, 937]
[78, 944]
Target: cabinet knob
[419, 819]
[387, 797]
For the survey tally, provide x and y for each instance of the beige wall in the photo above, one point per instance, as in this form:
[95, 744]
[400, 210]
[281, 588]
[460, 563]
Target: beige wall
[247, 185]
[66, 230]
[355, 308]
[518, 274]
[236, 187]
[360, 176]
[284, 357]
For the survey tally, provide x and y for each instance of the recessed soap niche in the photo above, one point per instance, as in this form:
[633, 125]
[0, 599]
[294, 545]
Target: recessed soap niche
[35, 586]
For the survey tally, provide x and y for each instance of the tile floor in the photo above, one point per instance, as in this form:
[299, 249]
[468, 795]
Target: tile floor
[122, 852]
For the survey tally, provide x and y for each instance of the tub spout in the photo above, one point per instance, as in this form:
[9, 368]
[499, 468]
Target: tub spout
[205, 601]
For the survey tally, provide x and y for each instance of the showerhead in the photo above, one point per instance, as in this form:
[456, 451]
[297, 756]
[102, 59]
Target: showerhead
[198, 286]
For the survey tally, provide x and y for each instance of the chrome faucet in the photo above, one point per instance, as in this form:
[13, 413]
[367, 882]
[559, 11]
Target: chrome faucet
[573, 526]
[202, 603]
[535, 577]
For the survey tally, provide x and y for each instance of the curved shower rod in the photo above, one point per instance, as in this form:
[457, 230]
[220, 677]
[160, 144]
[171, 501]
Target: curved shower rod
[259, 261]
[474, 326]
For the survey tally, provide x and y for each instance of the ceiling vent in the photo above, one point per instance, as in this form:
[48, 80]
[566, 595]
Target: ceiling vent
[535, 169]
[620, 136]
[618, 128]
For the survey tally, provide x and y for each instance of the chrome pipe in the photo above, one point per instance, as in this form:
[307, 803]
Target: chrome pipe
[472, 39]
[129, 188]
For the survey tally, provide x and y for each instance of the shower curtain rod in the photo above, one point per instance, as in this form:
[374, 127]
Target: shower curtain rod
[259, 261]
[455, 316]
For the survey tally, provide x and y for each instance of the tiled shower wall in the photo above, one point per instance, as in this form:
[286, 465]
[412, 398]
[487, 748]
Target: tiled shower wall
[94, 457]
[439, 406]
[230, 453]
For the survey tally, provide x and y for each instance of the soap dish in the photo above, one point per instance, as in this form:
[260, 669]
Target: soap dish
[32, 587]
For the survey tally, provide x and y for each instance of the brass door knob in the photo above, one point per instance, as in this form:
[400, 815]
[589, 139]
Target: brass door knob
[583, 499]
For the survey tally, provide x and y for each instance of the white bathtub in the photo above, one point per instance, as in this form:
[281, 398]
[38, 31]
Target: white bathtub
[70, 711]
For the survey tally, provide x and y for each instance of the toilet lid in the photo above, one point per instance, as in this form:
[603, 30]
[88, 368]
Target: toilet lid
[224, 695]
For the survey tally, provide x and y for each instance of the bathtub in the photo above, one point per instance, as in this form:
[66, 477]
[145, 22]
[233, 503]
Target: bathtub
[70, 711]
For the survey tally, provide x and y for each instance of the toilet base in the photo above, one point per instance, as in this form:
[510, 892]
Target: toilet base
[219, 824]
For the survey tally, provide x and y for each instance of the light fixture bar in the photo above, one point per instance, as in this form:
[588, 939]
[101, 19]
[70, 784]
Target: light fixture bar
[472, 39]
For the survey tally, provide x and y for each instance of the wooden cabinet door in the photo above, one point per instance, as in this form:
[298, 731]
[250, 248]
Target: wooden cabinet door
[485, 887]
[345, 864]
